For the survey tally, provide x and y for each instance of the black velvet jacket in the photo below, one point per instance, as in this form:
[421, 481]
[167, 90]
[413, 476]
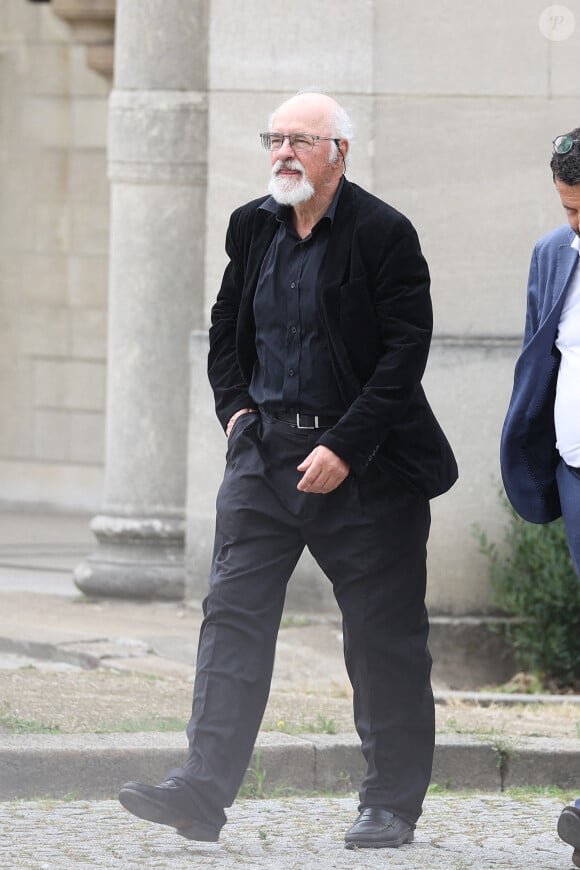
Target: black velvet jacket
[376, 308]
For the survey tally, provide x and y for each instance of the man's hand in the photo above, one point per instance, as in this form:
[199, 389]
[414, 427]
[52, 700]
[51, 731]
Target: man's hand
[324, 471]
[235, 416]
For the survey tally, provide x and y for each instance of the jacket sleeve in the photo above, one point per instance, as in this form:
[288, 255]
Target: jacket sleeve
[227, 381]
[398, 279]
[528, 454]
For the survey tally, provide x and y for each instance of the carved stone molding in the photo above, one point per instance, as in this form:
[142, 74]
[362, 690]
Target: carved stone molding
[101, 58]
[93, 23]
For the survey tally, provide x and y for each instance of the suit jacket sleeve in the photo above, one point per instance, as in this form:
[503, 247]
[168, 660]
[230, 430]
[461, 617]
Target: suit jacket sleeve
[528, 455]
[228, 383]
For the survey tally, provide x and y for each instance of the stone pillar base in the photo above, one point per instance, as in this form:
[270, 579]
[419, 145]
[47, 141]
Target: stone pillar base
[136, 558]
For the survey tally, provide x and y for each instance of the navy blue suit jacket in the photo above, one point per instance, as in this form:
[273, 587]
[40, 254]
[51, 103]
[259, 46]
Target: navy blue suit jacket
[528, 443]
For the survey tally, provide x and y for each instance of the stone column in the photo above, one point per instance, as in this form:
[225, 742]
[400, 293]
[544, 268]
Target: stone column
[157, 167]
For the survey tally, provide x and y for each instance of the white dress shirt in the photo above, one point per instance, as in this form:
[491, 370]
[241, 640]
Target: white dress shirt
[567, 406]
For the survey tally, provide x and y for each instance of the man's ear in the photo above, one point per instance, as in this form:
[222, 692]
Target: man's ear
[343, 146]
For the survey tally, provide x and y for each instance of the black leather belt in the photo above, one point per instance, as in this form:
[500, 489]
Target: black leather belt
[304, 421]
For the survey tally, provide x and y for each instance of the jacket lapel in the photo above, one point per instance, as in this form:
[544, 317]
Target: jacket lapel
[335, 273]
[541, 344]
[265, 230]
[266, 226]
[567, 260]
[337, 256]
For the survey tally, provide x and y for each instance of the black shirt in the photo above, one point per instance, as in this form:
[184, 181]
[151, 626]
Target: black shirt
[293, 370]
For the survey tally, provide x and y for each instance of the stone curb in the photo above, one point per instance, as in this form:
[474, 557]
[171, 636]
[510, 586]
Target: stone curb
[94, 766]
[48, 652]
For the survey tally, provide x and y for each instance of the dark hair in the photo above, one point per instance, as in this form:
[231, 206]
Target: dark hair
[566, 167]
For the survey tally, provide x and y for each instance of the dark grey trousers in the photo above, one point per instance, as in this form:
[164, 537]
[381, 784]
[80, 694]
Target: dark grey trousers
[568, 480]
[370, 539]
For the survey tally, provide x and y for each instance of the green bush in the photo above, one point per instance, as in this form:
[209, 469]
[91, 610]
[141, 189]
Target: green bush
[533, 580]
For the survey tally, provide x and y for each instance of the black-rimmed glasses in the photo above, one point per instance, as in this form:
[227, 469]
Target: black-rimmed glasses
[297, 141]
[564, 144]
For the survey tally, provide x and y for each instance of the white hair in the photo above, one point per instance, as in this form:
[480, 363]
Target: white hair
[341, 124]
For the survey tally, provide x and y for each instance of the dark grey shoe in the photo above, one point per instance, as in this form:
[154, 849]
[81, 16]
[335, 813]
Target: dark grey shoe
[167, 804]
[377, 828]
[569, 831]
[569, 826]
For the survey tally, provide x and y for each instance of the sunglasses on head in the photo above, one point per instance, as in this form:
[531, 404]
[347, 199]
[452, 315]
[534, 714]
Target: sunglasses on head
[563, 144]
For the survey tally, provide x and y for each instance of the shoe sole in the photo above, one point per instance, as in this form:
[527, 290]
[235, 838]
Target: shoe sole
[379, 844]
[569, 827]
[151, 810]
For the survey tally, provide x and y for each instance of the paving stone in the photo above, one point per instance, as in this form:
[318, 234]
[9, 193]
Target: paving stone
[455, 833]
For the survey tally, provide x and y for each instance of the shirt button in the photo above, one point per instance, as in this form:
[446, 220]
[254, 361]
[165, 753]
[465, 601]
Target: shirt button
[290, 372]
[293, 330]
[293, 284]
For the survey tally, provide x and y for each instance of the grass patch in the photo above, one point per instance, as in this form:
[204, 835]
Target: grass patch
[522, 683]
[11, 722]
[295, 621]
[321, 726]
[45, 802]
[437, 788]
[253, 784]
[518, 793]
[133, 726]
[547, 791]
[489, 733]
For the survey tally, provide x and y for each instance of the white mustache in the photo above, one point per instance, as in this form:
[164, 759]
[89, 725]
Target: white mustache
[287, 164]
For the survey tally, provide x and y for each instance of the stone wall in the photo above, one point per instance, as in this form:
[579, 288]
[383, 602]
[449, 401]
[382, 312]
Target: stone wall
[53, 261]
[455, 105]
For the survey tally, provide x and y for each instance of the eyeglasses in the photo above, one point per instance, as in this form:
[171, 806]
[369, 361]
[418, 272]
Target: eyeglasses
[563, 144]
[297, 141]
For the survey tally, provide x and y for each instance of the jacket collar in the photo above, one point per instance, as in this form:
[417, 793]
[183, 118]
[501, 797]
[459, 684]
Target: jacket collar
[338, 251]
[566, 262]
[339, 243]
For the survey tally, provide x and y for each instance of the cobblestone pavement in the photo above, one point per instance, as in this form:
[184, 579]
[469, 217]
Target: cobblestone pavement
[455, 833]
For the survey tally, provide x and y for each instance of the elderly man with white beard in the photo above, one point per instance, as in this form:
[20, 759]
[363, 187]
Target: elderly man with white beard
[319, 338]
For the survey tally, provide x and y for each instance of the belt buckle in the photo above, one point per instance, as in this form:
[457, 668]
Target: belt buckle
[298, 426]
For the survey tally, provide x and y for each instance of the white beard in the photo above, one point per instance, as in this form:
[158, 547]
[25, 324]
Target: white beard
[289, 191]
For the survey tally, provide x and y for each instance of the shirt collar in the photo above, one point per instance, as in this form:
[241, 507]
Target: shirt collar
[283, 212]
[576, 243]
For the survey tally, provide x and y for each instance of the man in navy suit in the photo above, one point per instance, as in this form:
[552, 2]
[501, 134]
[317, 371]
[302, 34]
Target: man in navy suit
[540, 445]
[319, 339]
